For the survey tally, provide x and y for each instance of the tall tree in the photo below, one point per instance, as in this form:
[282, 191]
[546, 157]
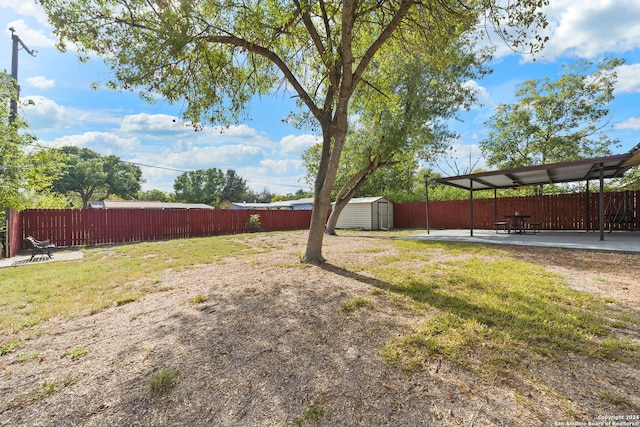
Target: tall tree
[155, 195]
[13, 159]
[25, 175]
[408, 122]
[200, 186]
[88, 175]
[216, 55]
[235, 188]
[553, 121]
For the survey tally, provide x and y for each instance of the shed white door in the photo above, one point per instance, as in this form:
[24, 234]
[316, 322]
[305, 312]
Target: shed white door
[383, 215]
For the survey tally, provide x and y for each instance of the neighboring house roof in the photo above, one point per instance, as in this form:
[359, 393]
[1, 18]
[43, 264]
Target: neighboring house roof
[284, 204]
[139, 204]
[291, 204]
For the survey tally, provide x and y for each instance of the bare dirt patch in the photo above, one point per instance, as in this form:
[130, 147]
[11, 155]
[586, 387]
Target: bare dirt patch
[263, 340]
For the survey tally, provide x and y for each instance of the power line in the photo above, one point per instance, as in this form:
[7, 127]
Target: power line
[155, 166]
[35, 144]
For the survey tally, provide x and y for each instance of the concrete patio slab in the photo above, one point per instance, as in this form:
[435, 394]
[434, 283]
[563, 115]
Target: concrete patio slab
[19, 260]
[617, 241]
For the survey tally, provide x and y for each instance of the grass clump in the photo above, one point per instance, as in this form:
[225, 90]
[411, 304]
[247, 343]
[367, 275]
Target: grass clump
[612, 398]
[76, 353]
[44, 390]
[162, 381]
[8, 347]
[126, 299]
[356, 303]
[199, 299]
[312, 413]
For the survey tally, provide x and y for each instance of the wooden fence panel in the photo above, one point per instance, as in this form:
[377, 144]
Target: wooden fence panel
[80, 227]
[556, 212]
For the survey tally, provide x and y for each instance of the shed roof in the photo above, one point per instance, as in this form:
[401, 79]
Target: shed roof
[366, 199]
[571, 171]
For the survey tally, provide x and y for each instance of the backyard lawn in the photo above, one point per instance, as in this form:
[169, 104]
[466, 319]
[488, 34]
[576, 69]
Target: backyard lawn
[234, 330]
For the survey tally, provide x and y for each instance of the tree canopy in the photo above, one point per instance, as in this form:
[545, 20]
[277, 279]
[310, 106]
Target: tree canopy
[210, 186]
[553, 121]
[402, 117]
[88, 175]
[25, 174]
[217, 55]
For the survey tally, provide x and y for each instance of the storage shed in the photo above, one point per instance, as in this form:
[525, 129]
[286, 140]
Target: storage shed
[368, 213]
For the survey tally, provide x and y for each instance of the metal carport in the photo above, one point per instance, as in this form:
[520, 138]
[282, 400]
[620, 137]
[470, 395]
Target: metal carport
[571, 171]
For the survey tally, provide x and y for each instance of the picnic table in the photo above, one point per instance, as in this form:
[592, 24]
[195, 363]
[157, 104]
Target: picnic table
[517, 222]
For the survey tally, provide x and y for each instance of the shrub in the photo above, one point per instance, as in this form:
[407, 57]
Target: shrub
[254, 223]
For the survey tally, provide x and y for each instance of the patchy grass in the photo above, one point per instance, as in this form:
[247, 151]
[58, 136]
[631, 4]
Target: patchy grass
[22, 358]
[612, 398]
[493, 314]
[44, 390]
[8, 347]
[106, 276]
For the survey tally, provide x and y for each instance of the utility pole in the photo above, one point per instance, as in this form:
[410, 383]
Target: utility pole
[5, 240]
[17, 42]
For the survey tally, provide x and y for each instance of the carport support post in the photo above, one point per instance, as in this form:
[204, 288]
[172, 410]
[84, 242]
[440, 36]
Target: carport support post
[426, 186]
[471, 206]
[587, 219]
[495, 204]
[601, 202]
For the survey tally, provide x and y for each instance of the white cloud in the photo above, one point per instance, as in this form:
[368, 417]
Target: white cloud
[34, 39]
[26, 8]
[481, 92]
[589, 28]
[152, 124]
[40, 82]
[281, 167]
[628, 79]
[461, 159]
[632, 123]
[43, 113]
[103, 142]
[585, 28]
[237, 131]
[221, 157]
[296, 145]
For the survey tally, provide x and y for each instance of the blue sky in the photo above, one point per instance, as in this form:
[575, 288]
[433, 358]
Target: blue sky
[263, 150]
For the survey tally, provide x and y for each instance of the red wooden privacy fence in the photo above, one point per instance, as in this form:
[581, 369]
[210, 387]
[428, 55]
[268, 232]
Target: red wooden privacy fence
[555, 212]
[80, 227]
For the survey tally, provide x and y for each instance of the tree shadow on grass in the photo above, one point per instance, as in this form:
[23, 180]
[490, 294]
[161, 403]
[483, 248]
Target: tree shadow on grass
[475, 324]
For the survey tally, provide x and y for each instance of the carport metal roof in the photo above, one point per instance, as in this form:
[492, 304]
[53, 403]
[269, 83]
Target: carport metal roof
[571, 171]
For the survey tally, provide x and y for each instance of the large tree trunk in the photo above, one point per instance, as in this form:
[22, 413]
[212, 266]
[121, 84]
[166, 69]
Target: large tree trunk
[333, 131]
[313, 254]
[333, 217]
